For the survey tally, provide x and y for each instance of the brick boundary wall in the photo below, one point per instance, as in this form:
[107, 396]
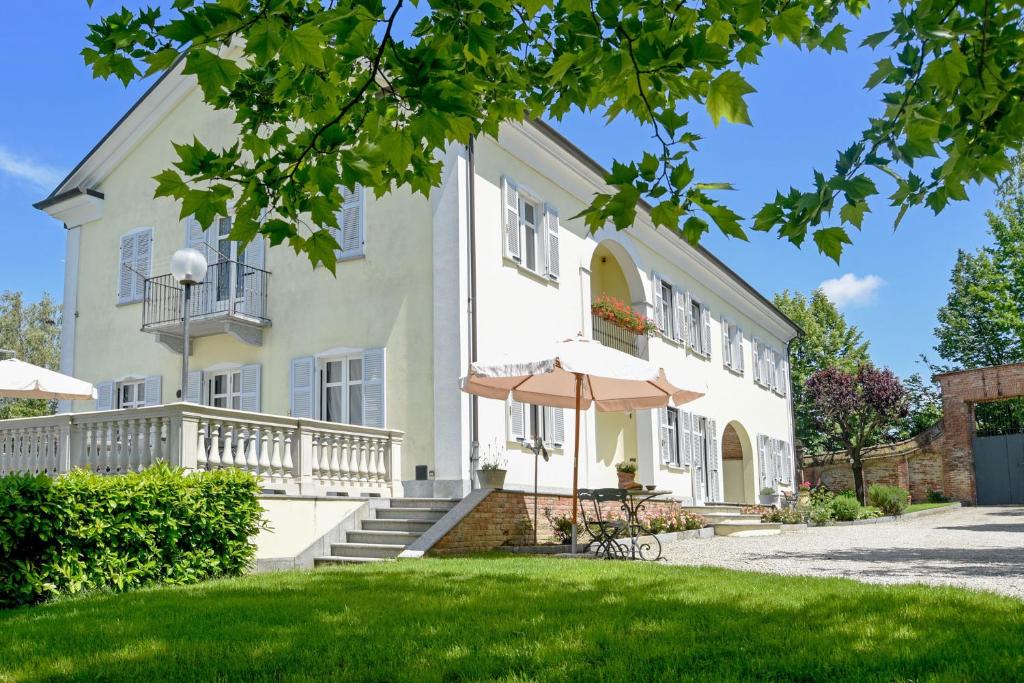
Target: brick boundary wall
[940, 458]
[498, 521]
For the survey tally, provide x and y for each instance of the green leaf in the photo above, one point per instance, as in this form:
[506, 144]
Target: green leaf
[835, 39]
[883, 68]
[768, 217]
[853, 213]
[727, 220]
[720, 32]
[830, 242]
[791, 24]
[694, 228]
[947, 71]
[302, 47]
[725, 98]
[265, 39]
[214, 73]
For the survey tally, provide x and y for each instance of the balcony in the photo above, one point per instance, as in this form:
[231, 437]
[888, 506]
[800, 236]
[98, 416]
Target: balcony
[232, 300]
[289, 455]
[619, 339]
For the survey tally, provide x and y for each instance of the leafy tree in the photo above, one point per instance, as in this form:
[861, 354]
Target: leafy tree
[828, 341]
[982, 322]
[32, 332]
[337, 93]
[924, 407]
[856, 409]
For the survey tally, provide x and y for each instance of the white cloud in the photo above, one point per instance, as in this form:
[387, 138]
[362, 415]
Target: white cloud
[21, 168]
[852, 290]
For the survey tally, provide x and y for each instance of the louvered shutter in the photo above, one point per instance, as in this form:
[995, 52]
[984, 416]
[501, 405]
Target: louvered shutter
[783, 375]
[552, 252]
[374, 399]
[697, 437]
[659, 305]
[755, 350]
[737, 350]
[714, 458]
[663, 432]
[685, 427]
[105, 396]
[154, 390]
[762, 460]
[126, 277]
[516, 420]
[250, 389]
[143, 262]
[303, 386]
[786, 463]
[194, 390]
[687, 323]
[350, 233]
[253, 257]
[197, 238]
[679, 307]
[726, 344]
[705, 320]
[557, 426]
[510, 201]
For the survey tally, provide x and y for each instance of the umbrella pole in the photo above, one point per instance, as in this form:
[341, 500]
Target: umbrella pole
[576, 461]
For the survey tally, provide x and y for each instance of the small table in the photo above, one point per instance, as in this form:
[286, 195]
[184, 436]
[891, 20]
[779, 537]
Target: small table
[636, 500]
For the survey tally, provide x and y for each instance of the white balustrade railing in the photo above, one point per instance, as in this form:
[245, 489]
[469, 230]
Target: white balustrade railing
[291, 454]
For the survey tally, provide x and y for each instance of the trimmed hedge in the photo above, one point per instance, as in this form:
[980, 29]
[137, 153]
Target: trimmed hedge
[84, 531]
[891, 500]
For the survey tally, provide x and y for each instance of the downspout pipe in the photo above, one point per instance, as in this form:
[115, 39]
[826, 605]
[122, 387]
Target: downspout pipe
[474, 415]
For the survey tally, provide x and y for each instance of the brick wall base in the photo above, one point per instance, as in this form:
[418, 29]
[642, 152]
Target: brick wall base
[506, 518]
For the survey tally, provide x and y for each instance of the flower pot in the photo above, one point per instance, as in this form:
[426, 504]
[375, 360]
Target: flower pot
[804, 499]
[627, 480]
[769, 500]
[491, 479]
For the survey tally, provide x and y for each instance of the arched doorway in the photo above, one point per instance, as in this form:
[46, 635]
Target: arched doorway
[737, 465]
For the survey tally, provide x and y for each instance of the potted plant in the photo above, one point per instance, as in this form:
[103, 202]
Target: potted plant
[619, 313]
[805, 494]
[491, 473]
[627, 475]
[768, 496]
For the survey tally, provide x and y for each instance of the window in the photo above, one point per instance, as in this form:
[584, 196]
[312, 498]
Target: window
[350, 233]
[531, 230]
[528, 216]
[666, 307]
[771, 367]
[732, 346]
[672, 434]
[131, 394]
[224, 389]
[527, 421]
[134, 260]
[699, 318]
[341, 390]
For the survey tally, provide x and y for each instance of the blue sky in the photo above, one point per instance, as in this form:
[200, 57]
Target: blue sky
[806, 107]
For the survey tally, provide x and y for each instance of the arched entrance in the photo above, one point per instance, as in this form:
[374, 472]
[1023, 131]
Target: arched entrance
[737, 465]
[613, 274]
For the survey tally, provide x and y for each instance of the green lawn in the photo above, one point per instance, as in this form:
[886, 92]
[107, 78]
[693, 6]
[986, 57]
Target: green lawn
[518, 619]
[914, 507]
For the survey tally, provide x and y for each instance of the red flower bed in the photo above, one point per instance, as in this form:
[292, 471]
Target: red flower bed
[618, 313]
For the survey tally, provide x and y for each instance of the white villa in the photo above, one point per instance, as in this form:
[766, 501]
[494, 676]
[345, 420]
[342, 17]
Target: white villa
[347, 385]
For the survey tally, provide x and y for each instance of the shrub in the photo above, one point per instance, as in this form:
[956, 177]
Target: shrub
[869, 513]
[937, 497]
[891, 500]
[678, 521]
[784, 516]
[845, 508]
[561, 526]
[821, 514]
[84, 531]
[821, 495]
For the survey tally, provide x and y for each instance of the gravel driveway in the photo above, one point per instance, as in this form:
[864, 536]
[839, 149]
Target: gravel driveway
[971, 547]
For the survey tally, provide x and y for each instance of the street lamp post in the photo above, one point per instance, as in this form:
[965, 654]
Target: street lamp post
[188, 267]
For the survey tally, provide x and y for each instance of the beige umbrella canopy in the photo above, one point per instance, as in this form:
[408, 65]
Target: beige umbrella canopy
[19, 379]
[576, 373]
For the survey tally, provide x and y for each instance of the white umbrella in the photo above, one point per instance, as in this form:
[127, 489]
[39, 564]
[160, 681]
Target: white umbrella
[576, 373]
[19, 379]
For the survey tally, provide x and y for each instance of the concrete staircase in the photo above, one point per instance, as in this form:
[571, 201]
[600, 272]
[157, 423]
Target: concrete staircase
[728, 520]
[389, 532]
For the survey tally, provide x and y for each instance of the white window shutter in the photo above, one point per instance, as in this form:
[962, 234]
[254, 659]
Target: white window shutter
[783, 375]
[255, 253]
[374, 398]
[510, 202]
[143, 262]
[198, 238]
[685, 427]
[659, 312]
[714, 458]
[697, 438]
[302, 381]
[687, 323]
[351, 232]
[786, 468]
[680, 315]
[762, 465]
[705, 321]
[663, 432]
[194, 389]
[755, 350]
[154, 390]
[552, 253]
[516, 420]
[126, 276]
[737, 351]
[726, 344]
[250, 389]
[558, 429]
[105, 396]
[548, 420]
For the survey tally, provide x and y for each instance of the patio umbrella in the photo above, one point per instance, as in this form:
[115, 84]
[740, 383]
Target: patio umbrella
[19, 379]
[576, 373]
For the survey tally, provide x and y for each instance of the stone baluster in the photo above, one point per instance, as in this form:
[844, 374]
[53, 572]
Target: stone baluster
[264, 466]
[364, 467]
[252, 462]
[276, 462]
[156, 443]
[214, 457]
[319, 468]
[381, 466]
[371, 460]
[335, 460]
[287, 462]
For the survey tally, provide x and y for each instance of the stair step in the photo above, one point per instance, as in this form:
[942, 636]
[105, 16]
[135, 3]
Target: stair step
[719, 517]
[378, 550]
[706, 510]
[747, 529]
[428, 503]
[411, 525]
[402, 538]
[427, 514]
[332, 560]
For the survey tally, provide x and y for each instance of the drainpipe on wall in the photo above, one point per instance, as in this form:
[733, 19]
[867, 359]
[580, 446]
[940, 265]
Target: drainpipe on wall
[474, 418]
[792, 421]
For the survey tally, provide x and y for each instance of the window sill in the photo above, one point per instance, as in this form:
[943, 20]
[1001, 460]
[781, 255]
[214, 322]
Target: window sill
[523, 270]
[734, 371]
[679, 469]
[355, 256]
[128, 303]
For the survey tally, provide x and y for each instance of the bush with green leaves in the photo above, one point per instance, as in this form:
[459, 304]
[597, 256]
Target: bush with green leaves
[784, 516]
[936, 496]
[84, 531]
[845, 508]
[891, 500]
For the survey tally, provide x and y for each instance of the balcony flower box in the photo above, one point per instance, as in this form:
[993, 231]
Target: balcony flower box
[618, 313]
